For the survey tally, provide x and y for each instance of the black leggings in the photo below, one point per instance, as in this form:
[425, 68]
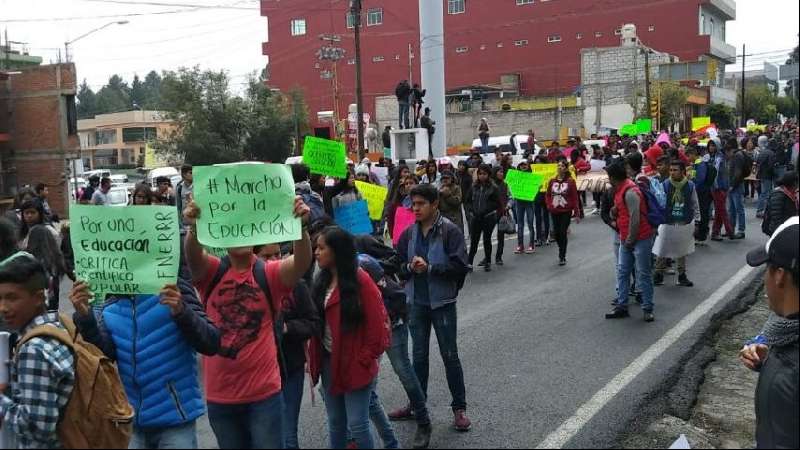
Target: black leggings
[560, 226]
[481, 226]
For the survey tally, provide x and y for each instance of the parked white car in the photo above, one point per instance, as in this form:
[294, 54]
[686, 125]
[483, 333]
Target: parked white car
[153, 175]
[504, 143]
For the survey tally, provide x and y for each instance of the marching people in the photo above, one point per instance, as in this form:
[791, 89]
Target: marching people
[46, 249]
[504, 221]
[562, 203]
[525, 215]
[719, 193]
[484, 199]
[450, 200]
[704, 177]
[675, 239]
[540, 211]
[432, 175]
[782, 203]
[33, 215]
[765, 172]
[100, 196]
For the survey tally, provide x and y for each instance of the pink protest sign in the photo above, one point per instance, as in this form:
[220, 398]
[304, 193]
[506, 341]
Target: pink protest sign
[403, 218]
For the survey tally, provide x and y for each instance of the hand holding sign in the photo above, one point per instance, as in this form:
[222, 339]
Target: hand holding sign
[171, 297]
[80, 297]
[524, 185]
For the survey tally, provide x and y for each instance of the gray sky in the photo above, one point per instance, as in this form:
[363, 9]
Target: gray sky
[231, 38]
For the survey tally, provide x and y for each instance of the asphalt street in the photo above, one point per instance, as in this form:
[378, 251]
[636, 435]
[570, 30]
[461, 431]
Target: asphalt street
[535, 346]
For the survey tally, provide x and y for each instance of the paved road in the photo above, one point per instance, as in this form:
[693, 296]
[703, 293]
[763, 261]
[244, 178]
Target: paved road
[535, 346]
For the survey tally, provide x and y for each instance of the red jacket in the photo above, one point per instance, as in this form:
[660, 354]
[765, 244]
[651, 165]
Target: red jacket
[624, 217]
[582, 166]
[562, 196]
[354, 355]
[651, 157]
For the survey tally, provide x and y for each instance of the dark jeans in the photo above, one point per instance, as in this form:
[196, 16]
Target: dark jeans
[481, 226]
[484, 143]
[445, 323]
[501, 243]
[542, 221]
[381, 422]
[524, 213]
[181, 436]
[401, 363]
[292, 398]
[705, 201]
[560, 226]
[404, 111]
[249, 425]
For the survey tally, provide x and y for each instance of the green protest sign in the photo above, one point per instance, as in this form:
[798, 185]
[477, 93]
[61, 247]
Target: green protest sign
[644, 126]
[629, 129]
[325, 157]
[245, 204]
[524, 185]
[129, 250]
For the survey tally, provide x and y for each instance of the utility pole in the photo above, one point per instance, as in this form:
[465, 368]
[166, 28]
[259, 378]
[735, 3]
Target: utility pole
[355, 10]
[410, 65]
[743, 108]
[332, 53]
[647, 76]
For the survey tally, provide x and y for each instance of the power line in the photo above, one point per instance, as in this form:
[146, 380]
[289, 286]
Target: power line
[199, 6]
[112, 16]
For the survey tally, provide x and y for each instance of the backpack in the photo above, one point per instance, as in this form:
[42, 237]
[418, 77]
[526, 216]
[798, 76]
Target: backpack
[656, 199]
[711, 175]
[98, 414]
[260, 277]
[748, 164]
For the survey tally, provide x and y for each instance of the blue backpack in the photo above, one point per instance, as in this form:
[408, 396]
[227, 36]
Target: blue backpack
[656, 199]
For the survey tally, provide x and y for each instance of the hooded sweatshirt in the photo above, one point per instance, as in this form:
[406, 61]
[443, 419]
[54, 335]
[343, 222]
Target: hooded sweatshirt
[720, 163]
[765, 160]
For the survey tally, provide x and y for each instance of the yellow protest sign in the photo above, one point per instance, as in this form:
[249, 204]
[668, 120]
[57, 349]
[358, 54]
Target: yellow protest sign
[548, 172]
[700, 122]
[375, 196]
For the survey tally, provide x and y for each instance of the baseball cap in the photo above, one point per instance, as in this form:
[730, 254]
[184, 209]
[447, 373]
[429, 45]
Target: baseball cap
[781, 249]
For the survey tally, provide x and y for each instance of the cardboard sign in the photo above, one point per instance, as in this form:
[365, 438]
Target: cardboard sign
[700, 122]
[131, 250]
[548, 171]
[597, 165]
[375, 197]
[354, 217]
[524, 185]
[325, 157]
[383, 175]
[629, 129]
[245, 204]
[644, 126]
[403, 218]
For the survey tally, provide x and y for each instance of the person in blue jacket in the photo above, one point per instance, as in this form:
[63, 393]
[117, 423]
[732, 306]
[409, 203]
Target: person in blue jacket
[154, 340]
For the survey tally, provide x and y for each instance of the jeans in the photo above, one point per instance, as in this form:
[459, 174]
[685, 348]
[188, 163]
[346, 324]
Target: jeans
[501, 243]
[561, 225]
[444, 321]
[292, 398]
[736, 208]
[181, 436]
[642, 258]
[404, 111]
[348, 414]
[524, 213]
[248, 425]
[705, 201]
[378, 417]
[401, 363]
[484, 143]
[721, 217]
[542, 221]
[481, 226]
[766, 189]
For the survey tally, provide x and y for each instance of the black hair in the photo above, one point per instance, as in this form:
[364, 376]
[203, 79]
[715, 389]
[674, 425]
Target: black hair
[8, 238]
[25, 271]
[300, 172]
[635, 160]
[794, 272]
[31, 204]
[108, 181]
[40, 188]
[679, 163]
[44, 247]
[616, 171]
[426, 191]
[186, 168]
[663, 159]
[789, 179]
[146, 190]
[20, 198]
[343, 185]
[343, 246]
[159, 180]
[485, 168]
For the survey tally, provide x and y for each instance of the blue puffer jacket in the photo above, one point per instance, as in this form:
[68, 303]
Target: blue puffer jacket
[155, 353]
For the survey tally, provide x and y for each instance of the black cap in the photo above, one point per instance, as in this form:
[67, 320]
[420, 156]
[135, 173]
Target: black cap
[781, 249]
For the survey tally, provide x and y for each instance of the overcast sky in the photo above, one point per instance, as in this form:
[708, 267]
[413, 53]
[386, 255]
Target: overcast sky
[231, 38]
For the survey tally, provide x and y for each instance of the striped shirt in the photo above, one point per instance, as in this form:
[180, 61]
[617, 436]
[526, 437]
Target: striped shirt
[42, 379]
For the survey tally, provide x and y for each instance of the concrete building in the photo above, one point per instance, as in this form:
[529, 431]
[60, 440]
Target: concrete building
[38, 131]
[120, 139]
[16, 58]
[768, 76]
[534, 47]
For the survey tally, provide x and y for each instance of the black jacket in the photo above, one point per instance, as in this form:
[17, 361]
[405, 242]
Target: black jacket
[302, 322]
[781, 208]
[777, 402]
[766, 164]
[484, 199]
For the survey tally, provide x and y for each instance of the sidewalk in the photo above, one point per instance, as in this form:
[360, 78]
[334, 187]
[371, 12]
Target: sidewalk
[724, 413]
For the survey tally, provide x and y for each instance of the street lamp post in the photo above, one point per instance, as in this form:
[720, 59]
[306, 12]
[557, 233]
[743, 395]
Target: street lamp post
[68, 43]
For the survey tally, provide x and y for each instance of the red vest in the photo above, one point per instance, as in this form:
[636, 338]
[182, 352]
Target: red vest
[624, 216]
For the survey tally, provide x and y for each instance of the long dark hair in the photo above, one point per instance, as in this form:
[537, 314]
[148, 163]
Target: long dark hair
[343, 246]
[39, 207]
[43, 245]
[145, 189]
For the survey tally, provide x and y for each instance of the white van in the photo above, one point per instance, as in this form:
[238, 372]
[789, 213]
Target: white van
[153, 175]
[504, 143]
[101, 173]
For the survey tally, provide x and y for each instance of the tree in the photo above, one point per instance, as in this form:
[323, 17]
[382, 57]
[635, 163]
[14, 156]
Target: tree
[673, 99]
[152, 91]
[721, 115]
[787, 106]
[114, 96]
[138, 94]
[760, 105]
[87, 101]
[792, 87]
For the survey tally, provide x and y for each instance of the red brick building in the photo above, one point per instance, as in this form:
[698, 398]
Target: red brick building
[537, 42]
[38, 131]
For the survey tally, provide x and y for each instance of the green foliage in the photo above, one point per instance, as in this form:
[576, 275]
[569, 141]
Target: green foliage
[763, 106]
[787, 106]
[118, 96]
[792, 88]
[673, 98]
[722, 116]
[87, 101]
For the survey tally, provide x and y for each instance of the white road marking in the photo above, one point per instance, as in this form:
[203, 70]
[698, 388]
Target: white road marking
[588, 410]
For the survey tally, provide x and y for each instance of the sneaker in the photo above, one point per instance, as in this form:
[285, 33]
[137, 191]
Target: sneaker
[483, 263]
[716, 238]
[658, 279]
[499, 261]
[683, 280]
[460, 421]
[487, 268]
[531, 250]
[562, 262]
[518, 251]
[595, 211]
[422, 438]
[402, 414]
[618, 313]
[739, 235]
[649, 317]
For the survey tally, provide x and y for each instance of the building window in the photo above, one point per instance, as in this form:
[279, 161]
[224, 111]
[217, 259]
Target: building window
[521, 43]
[702, 23]
[351, 62]
[377, 59]
[397, 57]
[138, 134]
[579, 36]
[618, 32]
[374, 16]
[554, 38]
[298, 27]
[711, 26]
[462, 49]
[351, 20]
[499, 45]
[72, 115]
[651, 28]
[105, 137]
[524, 2]
[456, 6]
[483, 46]
[598, 34]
